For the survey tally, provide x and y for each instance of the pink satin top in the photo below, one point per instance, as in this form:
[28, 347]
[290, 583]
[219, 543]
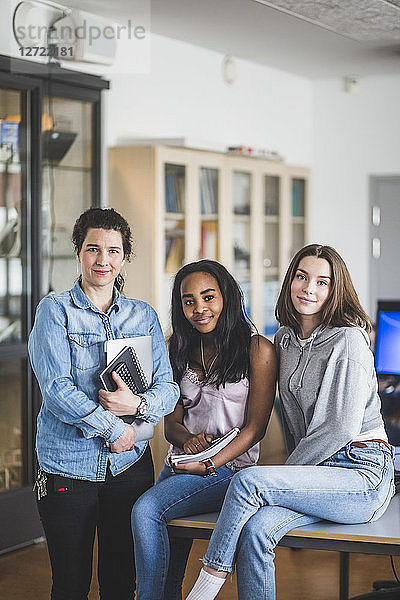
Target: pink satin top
[216, 411]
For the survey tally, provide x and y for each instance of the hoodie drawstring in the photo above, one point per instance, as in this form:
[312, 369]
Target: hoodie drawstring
[312, 338]
[284, 343]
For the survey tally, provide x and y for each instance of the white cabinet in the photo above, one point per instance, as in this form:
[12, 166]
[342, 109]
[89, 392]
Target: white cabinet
[184, 205]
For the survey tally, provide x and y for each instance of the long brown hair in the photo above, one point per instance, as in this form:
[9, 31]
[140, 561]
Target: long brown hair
[342, 307]
[232, 332]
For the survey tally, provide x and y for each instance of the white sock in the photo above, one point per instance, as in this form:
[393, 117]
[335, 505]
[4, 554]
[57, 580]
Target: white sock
[206, 587]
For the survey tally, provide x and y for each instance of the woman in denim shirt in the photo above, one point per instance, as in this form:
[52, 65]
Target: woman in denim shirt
[91, 471]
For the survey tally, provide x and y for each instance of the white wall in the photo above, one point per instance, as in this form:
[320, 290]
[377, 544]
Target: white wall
[344, 138]
[355, 136]
[184, 95]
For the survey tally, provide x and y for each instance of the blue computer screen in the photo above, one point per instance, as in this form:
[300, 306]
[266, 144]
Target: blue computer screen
[387, 349]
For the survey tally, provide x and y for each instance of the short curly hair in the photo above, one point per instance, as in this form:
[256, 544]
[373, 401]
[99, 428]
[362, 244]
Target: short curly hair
[103, 218]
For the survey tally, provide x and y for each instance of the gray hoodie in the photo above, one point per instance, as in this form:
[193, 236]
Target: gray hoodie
[328, 391]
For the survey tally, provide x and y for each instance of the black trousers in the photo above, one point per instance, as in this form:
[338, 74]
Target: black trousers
[71, 512]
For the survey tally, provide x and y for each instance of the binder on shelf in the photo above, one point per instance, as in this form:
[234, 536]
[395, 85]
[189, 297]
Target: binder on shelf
[174, 188]
[215, 447]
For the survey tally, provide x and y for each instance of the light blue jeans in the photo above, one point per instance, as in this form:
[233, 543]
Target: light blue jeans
[173, 496]
[262, 504]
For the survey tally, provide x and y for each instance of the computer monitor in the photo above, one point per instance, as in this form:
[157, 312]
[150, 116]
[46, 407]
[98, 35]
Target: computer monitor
[387, 365]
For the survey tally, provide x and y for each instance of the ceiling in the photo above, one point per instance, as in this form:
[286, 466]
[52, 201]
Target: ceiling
[312, 39]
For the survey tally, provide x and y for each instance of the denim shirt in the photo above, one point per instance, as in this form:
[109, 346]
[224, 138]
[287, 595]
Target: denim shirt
[66, 349]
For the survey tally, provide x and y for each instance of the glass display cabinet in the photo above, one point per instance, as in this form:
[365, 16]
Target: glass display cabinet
[49, 173]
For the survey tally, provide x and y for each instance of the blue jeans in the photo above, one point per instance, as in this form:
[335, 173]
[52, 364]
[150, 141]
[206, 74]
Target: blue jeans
[262, 504]
[173, 496]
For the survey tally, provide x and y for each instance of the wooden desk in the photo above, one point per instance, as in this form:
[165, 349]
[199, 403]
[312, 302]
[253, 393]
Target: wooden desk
[380, 537]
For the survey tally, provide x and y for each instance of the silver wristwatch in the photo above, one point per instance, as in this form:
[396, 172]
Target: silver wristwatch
[142, 408]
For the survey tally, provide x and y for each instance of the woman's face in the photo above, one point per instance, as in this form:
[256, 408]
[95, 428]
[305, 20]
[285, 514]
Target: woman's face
[311, 285]
[202, 301]
[101, 257]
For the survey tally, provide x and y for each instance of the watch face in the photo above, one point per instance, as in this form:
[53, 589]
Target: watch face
[142, 407]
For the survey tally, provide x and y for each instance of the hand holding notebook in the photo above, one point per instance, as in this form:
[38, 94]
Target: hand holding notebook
[127, 365]
[212, 450]
[134, 370]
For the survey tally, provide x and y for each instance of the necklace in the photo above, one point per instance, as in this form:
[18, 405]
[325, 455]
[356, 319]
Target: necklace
[203, 364]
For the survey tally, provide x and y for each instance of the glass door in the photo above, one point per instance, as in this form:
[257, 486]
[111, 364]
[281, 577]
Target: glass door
[241, 201]
[298, 214]
[39, 202]
[209, 208]
[67, 173]
[174, 219]
[14, 261]
[174, 226]
[271, 214]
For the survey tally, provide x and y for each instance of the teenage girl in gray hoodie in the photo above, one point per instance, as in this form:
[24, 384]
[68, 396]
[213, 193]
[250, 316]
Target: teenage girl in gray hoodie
[340, 465]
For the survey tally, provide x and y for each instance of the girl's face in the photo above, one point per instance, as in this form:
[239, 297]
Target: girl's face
[311, 286]
[202, 301]
[101, 257]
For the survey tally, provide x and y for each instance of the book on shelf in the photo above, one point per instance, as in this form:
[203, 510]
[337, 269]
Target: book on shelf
[209, 240]
[174, 190]
[208, 191]
[215, 447]
[175, 251]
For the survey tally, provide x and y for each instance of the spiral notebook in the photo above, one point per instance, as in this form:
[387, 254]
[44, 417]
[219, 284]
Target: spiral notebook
[143, 346]
[132, 359]
[128, 367]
